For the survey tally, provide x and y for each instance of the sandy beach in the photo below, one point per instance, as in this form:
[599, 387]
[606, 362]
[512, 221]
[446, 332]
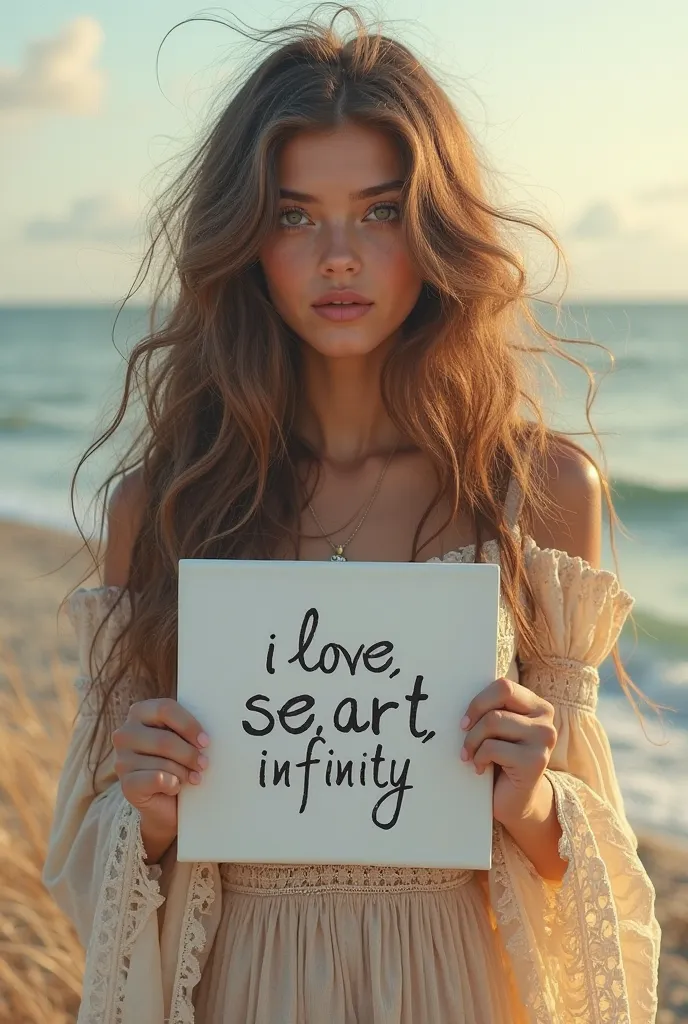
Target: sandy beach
[38, 569]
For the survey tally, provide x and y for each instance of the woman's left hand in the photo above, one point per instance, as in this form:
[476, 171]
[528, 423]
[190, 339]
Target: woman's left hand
[509, 725]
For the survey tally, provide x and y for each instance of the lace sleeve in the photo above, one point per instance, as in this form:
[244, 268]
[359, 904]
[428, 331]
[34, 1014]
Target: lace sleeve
[586, 949]
[95, 866]
[100, 614]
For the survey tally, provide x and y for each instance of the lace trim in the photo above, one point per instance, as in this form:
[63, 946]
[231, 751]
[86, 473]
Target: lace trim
[580, 609]
[513, 504]
[467, 553]
[586, 914]
[126, 693]
[200, 897]
[128, 896]
[506, 639]
[564, 682]
[513, 932]
[582, 913]
[285, 879]
[87, 608]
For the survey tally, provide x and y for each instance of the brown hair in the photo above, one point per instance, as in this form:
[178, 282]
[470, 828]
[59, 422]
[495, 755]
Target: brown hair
[217, 377]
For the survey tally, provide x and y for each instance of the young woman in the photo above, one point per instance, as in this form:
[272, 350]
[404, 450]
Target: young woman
[340, 376]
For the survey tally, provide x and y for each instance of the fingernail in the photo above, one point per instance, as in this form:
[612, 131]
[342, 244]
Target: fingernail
[465, 722]
[203, 739]
[202, 761]
[194, 778]
[464, 754]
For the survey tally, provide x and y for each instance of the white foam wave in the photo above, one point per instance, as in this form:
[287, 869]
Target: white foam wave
[651, 771]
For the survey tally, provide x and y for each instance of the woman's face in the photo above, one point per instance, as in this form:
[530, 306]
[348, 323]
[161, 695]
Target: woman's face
[339, 231]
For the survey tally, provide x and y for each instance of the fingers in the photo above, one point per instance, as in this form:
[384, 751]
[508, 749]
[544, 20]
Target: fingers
[136, 738]
[129, 762]
[164, 712]
[508, 725]
[498, 724]
[160, 746]
[531, 760]
[140, 786]
[506, 694]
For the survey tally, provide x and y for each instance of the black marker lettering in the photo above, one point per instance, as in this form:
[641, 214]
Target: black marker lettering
[379, 650]
[345, 771]
[376, 760]
[415, 698]
[269, 659]
[352, 722]
[332, 649]
[400, 787]
[352, 662]
[251, 706]
[307, 764]
[281, 771]
[308, 628]
[296, 706]
[379, 710]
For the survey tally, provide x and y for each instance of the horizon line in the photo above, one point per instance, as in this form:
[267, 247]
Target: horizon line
[574, 300]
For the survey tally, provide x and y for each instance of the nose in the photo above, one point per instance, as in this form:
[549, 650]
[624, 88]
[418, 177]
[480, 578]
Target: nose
[339, 254]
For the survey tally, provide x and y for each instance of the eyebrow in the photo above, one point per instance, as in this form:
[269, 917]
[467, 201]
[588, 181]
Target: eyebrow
[365, 193]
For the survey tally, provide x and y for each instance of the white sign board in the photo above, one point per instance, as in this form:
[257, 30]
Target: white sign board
[332, 695]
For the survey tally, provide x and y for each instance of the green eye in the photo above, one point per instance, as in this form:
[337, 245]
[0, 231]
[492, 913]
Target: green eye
[390, 212]
[294, 214]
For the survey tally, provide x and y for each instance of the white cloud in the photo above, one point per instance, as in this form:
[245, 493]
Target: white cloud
[631, 264]
[57, 74]
[669, 193]
[600, 220]
[101, 218]
[621, 248]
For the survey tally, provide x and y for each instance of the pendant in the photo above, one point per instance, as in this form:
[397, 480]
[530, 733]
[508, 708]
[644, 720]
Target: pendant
[338, 555]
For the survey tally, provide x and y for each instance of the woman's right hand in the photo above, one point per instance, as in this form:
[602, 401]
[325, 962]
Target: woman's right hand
[158, 749]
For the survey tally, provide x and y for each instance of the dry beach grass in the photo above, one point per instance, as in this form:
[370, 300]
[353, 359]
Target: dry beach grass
[40, 959]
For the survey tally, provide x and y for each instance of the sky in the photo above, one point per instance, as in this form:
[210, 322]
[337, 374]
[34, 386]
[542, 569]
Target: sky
[579, 109]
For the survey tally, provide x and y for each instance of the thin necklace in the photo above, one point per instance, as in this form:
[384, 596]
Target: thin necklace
[338, 549]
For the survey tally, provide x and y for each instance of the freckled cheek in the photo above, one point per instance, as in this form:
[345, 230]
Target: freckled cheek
[392, 265]
[288, 272]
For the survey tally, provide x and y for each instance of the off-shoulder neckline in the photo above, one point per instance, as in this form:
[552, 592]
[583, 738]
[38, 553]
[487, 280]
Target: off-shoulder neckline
[447, 556]
[455, 555]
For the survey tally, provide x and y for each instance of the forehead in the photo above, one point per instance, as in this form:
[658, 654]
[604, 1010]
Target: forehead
[348, 158]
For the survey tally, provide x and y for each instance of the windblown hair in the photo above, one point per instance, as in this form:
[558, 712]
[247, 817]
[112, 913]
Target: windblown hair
[217, 456]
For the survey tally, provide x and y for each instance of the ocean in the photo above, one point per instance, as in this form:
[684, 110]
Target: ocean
[61, 370]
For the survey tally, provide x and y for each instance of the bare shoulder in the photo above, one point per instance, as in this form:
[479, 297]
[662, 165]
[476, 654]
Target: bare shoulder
[571, 517]
[124, 516]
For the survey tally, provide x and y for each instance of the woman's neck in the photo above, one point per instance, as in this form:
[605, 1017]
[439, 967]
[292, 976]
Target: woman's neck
[342, 415]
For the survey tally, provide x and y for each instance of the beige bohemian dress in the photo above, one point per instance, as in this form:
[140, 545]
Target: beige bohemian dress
[271, 944]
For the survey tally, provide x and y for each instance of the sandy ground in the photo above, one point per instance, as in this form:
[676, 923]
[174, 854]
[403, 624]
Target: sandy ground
[38, 569]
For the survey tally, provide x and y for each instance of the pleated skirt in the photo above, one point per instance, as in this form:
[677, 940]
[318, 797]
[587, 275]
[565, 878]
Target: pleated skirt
[362, 957]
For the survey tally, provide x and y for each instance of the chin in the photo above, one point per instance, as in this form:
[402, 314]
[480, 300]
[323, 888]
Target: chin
[341, 344]
[340, 341]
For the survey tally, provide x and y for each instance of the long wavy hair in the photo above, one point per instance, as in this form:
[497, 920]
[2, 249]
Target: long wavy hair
[217, 376]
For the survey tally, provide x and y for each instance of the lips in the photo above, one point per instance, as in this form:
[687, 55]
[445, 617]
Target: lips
[341, 295]
[342, 312]
[341, 305]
